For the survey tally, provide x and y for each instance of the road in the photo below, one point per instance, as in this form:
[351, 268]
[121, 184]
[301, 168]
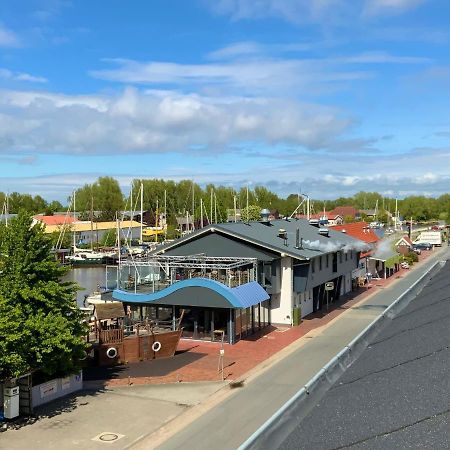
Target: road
[229, 423]
[395, 396]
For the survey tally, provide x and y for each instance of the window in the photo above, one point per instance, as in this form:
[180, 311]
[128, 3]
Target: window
[327, 260]
[320, 262]
[313, 264]
[340, 257]
[346, 256]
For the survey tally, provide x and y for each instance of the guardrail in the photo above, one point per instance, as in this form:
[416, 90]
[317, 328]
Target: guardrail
[276, 429]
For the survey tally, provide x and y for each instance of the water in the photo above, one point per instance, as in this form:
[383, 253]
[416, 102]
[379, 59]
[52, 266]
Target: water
[92, 279]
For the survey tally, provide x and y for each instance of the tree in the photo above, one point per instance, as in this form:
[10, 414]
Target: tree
[40, 325]
[253, 213]
[104, 195]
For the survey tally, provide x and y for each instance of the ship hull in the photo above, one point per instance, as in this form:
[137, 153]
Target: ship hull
[139, 348]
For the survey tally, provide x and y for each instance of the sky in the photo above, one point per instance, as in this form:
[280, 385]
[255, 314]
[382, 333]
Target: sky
[322, 97]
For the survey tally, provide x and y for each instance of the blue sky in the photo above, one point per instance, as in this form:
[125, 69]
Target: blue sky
[328, 97]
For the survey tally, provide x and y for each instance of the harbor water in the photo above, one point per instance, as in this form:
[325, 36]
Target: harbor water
[91, 279]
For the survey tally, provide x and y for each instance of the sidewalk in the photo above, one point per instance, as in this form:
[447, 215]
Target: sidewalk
[198, 360]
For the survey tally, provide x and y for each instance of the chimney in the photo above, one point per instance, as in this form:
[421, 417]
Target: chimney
[265, 213]
[282, 233]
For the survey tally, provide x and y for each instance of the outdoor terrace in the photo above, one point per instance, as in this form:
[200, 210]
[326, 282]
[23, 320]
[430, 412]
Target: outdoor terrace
[156, 273]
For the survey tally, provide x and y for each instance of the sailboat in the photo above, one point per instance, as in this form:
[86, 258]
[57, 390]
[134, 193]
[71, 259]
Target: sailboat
[90, 256]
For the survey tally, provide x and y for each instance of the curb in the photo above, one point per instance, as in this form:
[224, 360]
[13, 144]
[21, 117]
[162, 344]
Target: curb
[274, 431]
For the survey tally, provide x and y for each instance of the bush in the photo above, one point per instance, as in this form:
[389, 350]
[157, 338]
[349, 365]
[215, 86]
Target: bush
[411, 258]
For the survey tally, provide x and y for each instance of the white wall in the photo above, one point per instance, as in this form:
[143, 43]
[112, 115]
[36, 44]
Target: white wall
[306, 302]
[283, 302]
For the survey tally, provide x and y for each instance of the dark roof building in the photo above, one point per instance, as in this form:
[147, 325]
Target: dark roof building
[290, 259]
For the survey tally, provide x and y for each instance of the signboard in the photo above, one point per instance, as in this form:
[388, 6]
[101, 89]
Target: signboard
[329, 286]
[48, 389]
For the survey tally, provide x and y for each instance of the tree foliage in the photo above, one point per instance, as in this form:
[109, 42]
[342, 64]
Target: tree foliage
[105, 197]
[40, 324]
[252, 213]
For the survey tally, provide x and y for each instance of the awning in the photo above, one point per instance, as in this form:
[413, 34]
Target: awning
[108, 310]
[201, 292]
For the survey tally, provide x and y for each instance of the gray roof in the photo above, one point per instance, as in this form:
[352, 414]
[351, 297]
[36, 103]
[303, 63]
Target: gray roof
[267, 236]
[395, 395]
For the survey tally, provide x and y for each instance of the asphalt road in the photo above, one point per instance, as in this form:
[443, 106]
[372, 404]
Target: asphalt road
[396, 395]
[230, 423]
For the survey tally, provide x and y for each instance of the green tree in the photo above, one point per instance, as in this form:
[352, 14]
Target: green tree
[104, 195]
[40, 325]
[252, 213]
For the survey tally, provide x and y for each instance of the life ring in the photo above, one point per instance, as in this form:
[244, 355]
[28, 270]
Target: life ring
[156, 346]
[111, 353]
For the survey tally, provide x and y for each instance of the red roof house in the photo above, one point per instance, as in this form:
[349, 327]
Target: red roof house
[55, 220]
[361, 231]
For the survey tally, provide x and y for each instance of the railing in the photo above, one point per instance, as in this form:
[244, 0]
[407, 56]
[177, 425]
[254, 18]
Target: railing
[154, 284]
[113, 336]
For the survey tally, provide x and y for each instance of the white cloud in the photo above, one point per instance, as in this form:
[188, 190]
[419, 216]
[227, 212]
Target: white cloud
[8, 38]
[20, 76]
[378, 7]
[252, 73]
[251, 48]
[135, 121]
[296, 11]
[310, 11]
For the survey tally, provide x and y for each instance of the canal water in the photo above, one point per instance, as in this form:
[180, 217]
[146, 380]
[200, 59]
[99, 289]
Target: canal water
[92, 279]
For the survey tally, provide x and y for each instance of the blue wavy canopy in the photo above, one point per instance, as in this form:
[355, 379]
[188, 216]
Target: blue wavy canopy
[242, 296]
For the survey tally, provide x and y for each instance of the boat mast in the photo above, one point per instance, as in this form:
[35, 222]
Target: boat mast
[142, 213]
[234, 203]
[165, 214]
[193, 206]
[118, 248]
[396, 215]
[92, 221]
[156, 220]
[201, 213]
[211, 205]
[248, 214]
[74, 217]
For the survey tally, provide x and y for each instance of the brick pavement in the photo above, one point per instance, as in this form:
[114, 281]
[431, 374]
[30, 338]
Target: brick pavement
[249, 352]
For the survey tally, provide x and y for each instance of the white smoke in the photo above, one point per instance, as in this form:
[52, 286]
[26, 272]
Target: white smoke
[383, 247]
[328, 247]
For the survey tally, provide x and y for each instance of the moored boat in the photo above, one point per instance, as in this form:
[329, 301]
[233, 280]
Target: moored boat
[118, 339]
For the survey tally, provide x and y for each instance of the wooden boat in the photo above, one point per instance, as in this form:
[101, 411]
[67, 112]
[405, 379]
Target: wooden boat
[117, 339]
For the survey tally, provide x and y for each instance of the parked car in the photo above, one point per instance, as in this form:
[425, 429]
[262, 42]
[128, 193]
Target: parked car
[417, 251]
[422, 246]
[404, 265]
